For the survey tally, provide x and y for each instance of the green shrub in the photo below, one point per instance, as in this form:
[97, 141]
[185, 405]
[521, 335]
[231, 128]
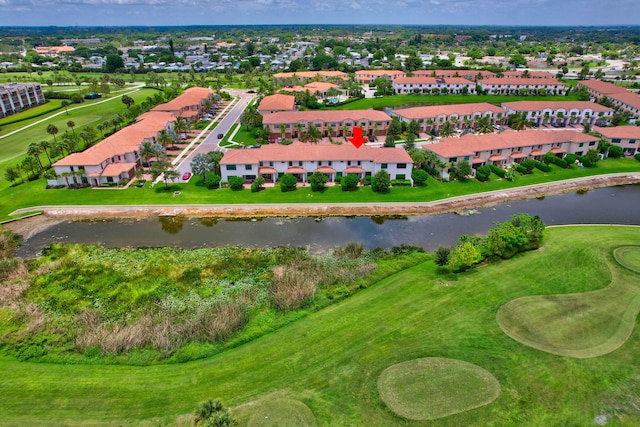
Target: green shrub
[570, 159]
[552, 158]
[637, 156]
[519, 168]
[288, 182]
[350, 182]
[498, 171]
[616, 151]
[528, 164]
[317, 181]
[236, 183]
[419, 177]
[212, 180]
[401, 183]
[483, 172]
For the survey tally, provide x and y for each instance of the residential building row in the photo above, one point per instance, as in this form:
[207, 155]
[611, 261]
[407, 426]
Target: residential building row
[334, 123]
[406, 85]
[619, 96]
[509, 147]
[117, 157]
[626, 137]
[16, 97]
[302, 160]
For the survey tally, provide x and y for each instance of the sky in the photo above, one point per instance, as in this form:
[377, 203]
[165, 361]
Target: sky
[236, 12]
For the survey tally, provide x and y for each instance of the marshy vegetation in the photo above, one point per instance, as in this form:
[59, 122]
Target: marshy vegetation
[147, 305]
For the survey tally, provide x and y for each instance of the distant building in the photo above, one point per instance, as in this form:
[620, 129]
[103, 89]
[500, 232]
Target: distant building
[430, 118]
[430, 85]
[275, 103]
[619, 96]
[15, 97]
[627, 137]
[305, 76]
[519, 86]
[367, 76]
[561, 112]
[54, 50]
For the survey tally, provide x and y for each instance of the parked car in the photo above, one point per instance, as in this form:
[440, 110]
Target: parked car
[220, 135]
[186, 176]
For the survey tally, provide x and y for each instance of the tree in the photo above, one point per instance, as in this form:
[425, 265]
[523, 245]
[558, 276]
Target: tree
[313, 133]
[201, 164]
[29, 165]
[127, 100]
[419, 177]
[442, 255]
[52, 130]
[113, 63]
[410, 141]
[616, 151]
[257, 183]
[35, 150]
[518, 121]
[71, 125]
[464, 255]
[211, 413]
[163, 168]
[395, 127]
[593, 156]
[446, 129]
[414, 127]
[318, 180]
[413, 62]
[381, 182]
[236, 183]
[45, 146]
[11, 174]
[65, 105]
[215, 157]
[164, 138]
[149, 149]
[288, 182]
[484, 125]
[461, 170]
[517, 60]
[350, 182]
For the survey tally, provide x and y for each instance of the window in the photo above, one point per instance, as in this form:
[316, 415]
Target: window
[359, 162]
[616, 140]
[231, 167]
[247, 167]
[466, 158]
[582, 144]
[592, 143]
[330, 162]
[632, 141]
[401, 176]
[453, 159]
[271, 164]
[299, 163]
[290, 164]
[383, 165]
[401, 166]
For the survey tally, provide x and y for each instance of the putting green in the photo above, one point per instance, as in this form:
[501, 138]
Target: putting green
[279, 412]
[434, 387]
[581, 325]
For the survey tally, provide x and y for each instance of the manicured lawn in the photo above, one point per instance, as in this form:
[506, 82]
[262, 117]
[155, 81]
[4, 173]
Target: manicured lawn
[23, 116]
[275, 411]
[331, 360]
[35, 194]
[402, 100]
[431, 388]
[14, 147]
[580, 325]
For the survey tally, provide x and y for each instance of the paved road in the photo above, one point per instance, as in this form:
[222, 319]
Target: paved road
[211, 142]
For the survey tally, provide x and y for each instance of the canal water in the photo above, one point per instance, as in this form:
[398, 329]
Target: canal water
[611, 205]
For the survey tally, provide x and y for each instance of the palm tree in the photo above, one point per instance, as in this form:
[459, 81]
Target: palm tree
[100, 128]
[484, 125]
[11, 174]
[164, 138]
[65, 105]
[299, 129]
[71, 124]
[518, 121]
[313, 133]
[29, 164]
[35, 150]
[446, 129]
[283, 129]
[52, 130]
[149, 149]
[165, 169]
[44, 146]
[180, 126]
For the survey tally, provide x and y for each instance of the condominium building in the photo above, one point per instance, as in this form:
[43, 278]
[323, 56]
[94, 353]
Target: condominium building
[276, 102]
[520, 86]
[620, 97]
[302, 160]
[16, 97]
[367, 76]
[561, 112]
[334, 123]
[627, 137]
[463, 116]
[508, 147]
[433, 85]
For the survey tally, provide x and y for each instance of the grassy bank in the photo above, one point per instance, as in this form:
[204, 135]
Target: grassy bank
[193, 192]
[331, 361]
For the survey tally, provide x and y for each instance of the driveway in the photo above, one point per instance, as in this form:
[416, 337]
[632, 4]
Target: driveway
[210, 143]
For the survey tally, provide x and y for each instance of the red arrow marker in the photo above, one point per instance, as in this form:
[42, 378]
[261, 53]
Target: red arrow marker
[357, 139]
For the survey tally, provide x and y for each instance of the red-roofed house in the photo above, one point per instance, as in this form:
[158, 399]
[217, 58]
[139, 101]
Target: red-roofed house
[473, 75]
[275, 103]
[510, 86]
[117, 157]
[508, 147]
[619, 96]
[302, 160]
[433, 85]
[367, 76]
[336, 123]
[304, 76]
[189, 105]
[432, 117]
[560, 112]
[627, 137]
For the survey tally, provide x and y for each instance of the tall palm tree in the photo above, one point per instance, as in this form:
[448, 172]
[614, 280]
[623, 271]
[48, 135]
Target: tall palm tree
[446, 129]
[180, 126]
[164, 138]
[35, 150]
[44, 146]
[484, 125]
[52, 130]
[518, 121]
[71, 125]
[65, 105]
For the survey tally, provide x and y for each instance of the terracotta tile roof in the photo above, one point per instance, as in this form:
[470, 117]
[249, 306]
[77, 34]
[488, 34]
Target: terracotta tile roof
[380, 73]
[438, 110]
[433, 80]
[277, 102]
[325, 116]
[461, 73]
[296, 169]
[190, 97]
[629, 98]
[517, 155]
[622, 132]
[126, 140]
[311, 74]
[558, 150]
[537, 153]
[115, 169]
[469, 144]
[602, 87]
[267, 169]
[496, 157]
[320, 86]
[554, 105]
[354, 169]
[325, 169]
[532, 74]
[520, 81]
[321, 152]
